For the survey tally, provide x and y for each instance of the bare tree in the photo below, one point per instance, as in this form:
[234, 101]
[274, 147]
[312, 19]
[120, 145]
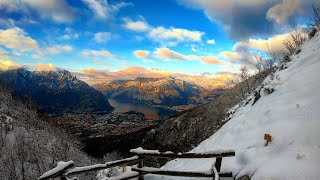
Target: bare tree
[296, 39]
[257, 62]
[244, 85]
[315, 19]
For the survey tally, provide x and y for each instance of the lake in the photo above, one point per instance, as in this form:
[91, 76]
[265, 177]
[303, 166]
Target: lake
[151, 112]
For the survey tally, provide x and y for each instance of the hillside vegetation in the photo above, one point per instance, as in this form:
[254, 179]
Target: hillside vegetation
[28, 145]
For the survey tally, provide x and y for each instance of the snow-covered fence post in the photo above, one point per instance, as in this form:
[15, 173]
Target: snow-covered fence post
[218, 163]
[140, 165]
[215, 170]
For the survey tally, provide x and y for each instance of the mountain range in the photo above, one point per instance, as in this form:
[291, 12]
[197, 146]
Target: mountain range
[56, 92]
[167, 91]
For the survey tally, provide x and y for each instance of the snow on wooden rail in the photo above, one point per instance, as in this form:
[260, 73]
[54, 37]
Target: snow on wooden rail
[65, 169]
[62, 171]
[57, 171]
[209, 154]
[150, 170]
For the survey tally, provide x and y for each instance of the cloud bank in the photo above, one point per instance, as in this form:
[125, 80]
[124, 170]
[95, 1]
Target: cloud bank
[246, 18]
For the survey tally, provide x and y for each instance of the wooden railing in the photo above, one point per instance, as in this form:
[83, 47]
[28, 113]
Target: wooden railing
[67, 169]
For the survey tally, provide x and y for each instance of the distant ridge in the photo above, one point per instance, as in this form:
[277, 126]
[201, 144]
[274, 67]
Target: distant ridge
[167, 91]
[56, 92]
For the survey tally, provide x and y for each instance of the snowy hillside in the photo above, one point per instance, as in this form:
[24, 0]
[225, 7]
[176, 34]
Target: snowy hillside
[290, 115]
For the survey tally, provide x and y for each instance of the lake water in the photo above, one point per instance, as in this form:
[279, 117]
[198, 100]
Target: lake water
[150, 112]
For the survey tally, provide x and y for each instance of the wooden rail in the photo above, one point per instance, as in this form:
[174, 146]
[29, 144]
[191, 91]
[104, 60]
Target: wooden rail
[154, 153]
[150, 170]
[66, 169]
[65, 172]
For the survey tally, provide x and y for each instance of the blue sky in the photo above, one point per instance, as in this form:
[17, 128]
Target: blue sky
[189, 37]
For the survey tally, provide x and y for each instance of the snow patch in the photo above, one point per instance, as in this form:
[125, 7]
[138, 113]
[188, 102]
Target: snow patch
[290, 114]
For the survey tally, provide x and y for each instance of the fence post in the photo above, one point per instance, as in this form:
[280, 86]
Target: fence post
[218, 163]
[140, 165]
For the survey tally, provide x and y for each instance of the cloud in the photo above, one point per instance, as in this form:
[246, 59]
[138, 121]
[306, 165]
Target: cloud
[274, 43]
[206, 74]
[247, 18]
[4, 53]
[8, 65]
[141, 53]
[166, 36]
[102, 9]
[242, 50]
[210, 60]
[237, 57]
[56, 10]
[281, 12]
[168, 54]
[173, 36]
[101, 37]
[210, 81]
[45, 67]
[95, 53]
[211, 41]
[99, 57]
[58, 49]
[69, 36]
[55, 49]
[16, 38]
[139, 26]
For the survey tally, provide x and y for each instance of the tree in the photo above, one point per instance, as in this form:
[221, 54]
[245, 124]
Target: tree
[296, 38]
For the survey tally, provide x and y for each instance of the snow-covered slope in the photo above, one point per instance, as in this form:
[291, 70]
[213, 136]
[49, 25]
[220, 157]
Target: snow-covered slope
[291, 115]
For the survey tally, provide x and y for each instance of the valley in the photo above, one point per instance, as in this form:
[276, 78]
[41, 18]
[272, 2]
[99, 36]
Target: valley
[115, 123]
[159, 90]
[109, 132]
[150, 112]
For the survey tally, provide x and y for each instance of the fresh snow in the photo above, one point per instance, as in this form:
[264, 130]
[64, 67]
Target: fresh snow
[96, 166]
[60, 166]
[140, 150]
[291, 115]
[118, 172]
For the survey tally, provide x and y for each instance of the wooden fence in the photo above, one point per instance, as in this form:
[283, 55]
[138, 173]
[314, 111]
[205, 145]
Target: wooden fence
[64, 170]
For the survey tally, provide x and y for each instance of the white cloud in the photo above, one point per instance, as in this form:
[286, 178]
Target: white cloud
[8, 64]
[57, 10]
[95, 53]
[58, 49]
[281, 12]
[69, 36]
[173, 36]
[101, 37]
[139, 26]
[16, 38]
[274, 43]
[102, 9]
[236, 57]
[55, 49]
[4, 53]
[165, 36]
[168, 54]
[45, 67]
[211, 41]
[141, 53]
